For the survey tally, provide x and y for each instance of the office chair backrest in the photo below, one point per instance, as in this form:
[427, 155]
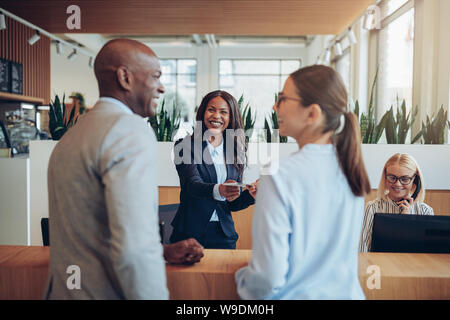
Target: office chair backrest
[166, 215]
[45, 233]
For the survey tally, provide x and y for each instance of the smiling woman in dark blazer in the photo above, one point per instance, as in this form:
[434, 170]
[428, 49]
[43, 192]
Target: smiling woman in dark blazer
[205, 160]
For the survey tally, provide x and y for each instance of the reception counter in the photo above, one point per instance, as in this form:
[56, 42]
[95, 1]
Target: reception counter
[23, 273]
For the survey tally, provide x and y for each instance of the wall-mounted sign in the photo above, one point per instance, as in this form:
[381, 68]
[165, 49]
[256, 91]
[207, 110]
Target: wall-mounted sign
[5, 75]
[16, 78]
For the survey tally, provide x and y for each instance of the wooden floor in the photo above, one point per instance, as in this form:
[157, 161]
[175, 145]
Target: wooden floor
[439, 200]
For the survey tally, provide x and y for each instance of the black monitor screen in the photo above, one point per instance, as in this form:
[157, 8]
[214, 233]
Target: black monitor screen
[410, 233]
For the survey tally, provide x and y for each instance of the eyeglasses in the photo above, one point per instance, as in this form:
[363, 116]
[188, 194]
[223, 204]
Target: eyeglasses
[404, 180]
[281, 97]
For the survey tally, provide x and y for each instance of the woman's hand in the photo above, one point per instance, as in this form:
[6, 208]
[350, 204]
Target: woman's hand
[252, 188]
[405, 205]
[231, 193]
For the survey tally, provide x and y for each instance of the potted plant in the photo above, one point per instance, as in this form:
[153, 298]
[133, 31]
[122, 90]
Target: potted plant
[433, 130]
[248, 120]
[165, 123]
[397, 127]
[78, 100]
[370, 131]
[273, 125]
[59, 119]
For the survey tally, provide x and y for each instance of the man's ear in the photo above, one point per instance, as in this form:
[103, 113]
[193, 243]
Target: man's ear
[125, 78]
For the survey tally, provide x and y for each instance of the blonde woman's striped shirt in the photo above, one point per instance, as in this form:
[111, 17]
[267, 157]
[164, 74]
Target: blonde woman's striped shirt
[384, 206]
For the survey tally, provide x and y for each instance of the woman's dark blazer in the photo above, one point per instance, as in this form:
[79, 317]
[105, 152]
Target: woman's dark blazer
[197, 180]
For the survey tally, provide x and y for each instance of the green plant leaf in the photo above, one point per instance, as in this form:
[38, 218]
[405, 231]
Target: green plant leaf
[356, 110]
[267, 131]
[380, 127]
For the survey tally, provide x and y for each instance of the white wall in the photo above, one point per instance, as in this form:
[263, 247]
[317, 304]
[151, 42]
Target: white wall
[40, 152]
[72, 76]
[14, 202]
[315, 49]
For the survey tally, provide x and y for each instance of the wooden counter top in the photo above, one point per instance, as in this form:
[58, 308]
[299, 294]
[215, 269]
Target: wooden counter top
[23, 273]
[212, 278]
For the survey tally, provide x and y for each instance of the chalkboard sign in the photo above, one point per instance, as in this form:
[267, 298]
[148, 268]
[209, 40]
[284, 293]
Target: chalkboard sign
[5, 75]
[16, 78]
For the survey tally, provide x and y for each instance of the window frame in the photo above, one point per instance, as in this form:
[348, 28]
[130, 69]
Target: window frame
[375, 39]
[183, 73]
[300, 60]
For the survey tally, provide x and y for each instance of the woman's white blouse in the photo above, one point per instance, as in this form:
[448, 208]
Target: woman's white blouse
[386, 205]
[221, 173]
[306, 230]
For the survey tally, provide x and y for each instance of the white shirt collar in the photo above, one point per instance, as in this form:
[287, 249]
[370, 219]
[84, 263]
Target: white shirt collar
[215, 150]
[119, 103]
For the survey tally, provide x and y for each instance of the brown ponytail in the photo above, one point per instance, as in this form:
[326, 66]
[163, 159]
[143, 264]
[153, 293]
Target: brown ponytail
[348, 146]
[322, 85]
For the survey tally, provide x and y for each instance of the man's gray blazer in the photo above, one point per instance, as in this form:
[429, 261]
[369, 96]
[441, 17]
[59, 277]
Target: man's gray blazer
[103, 210]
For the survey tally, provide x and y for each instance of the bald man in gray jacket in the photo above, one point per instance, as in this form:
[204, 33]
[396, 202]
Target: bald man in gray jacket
[102, 185]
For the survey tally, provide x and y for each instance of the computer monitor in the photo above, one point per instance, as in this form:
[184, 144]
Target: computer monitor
[410, 233]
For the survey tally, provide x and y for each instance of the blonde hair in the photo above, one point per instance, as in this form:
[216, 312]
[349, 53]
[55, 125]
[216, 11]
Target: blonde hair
[406, 161]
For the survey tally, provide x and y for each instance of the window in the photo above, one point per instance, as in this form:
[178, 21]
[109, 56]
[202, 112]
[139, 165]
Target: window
[179, 77]
[257, 80]
[342, 66]
[395, 59]
[390, 6]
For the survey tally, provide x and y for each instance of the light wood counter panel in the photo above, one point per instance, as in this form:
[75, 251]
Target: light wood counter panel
[212, 278]
[403, 276]
[23, 274]
[407, 275]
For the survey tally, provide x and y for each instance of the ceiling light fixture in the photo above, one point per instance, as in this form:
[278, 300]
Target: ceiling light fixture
[2, 21]
[351, 37]
[39, 31]
[337, 49]
[213, 40]
[208, 40]
[197, 39]
[58, 47]
[72, 55]
[319, 60]
[326, 60]
[34, 38]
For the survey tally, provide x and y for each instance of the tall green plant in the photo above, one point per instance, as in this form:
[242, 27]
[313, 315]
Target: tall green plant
[59, 121]
[272, 125]
[370, 130]
[248, 120]
[397, 127]
[433, 130]
[79, 96]
[165, 123]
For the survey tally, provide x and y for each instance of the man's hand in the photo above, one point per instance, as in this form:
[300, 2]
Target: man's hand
[231, 193]
[183, 252]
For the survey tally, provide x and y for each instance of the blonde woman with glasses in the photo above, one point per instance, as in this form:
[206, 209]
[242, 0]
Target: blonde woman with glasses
[401, 191]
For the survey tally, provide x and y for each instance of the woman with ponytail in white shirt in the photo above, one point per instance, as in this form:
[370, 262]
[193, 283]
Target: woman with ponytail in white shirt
[309, 211]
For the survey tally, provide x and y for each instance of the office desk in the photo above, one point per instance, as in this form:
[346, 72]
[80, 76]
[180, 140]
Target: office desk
[23, 273]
